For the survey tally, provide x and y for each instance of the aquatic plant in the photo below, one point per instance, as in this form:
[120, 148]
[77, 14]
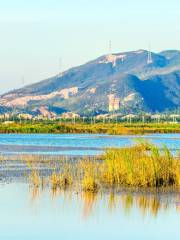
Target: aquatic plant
[35, 179]
[89, 171]
[63, 179]
[138, 167]
[89, 184]
[143, 165]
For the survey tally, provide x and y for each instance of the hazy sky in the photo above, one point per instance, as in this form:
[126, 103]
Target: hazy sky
[35, 34]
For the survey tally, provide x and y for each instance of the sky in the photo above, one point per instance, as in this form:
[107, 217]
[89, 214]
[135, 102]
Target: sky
[39, 38]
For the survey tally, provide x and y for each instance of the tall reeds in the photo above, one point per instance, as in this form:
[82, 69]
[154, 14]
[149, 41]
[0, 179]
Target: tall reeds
[141, 166]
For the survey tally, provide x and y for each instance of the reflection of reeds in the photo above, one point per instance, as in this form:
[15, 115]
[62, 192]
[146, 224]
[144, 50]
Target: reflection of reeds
[145, 203]
[34, 193]
[89, 199]
[148, 203]
[127, 202]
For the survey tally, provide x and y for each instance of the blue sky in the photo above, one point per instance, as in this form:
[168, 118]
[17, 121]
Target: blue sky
[35, 34]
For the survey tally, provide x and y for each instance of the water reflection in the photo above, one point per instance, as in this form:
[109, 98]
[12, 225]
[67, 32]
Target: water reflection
[34, 193]
[123, 202]
[89, 200]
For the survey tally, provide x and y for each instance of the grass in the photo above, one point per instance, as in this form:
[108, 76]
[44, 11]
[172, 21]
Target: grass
[35, 179]
[89, 170]
[143, 165]
[63, 179]
[140, 166]
[108, 128]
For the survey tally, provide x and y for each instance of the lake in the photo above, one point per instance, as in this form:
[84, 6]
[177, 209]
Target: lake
[77, 144]
[42, 213]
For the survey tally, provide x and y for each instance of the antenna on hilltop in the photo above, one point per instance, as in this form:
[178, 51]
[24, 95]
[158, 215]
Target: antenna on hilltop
[149, 59]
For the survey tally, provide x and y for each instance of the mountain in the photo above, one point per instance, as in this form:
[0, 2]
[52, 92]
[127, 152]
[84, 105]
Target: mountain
[135, 81]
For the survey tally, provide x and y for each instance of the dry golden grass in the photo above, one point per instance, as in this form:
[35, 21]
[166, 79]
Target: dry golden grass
[89, 170]
[63, 179]
[35, 179]
[143, 165]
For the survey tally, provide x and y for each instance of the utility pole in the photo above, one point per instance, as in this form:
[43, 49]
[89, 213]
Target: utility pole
[116, 119]
[130, 120]
[149, 59]
[143, 119]
[103, 120]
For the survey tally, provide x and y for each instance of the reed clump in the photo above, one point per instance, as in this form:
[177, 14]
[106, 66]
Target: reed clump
[143, 165]
[35, 179]
[89, 184]
[89, 170]
[63, 179]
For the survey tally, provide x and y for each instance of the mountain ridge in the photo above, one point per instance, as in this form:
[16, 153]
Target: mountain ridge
[138, 84]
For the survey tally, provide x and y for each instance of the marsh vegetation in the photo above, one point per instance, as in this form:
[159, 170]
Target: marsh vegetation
[108, 128]
[141, 166]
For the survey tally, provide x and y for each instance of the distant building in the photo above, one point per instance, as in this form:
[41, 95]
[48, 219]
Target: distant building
[101, 116]
[129, 116]
[8, 122]
[114, 103]
[70, 115]
[25, 116]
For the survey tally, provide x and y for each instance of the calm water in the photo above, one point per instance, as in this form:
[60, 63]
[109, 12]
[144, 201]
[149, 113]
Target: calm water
[29, 214]
[76, 144]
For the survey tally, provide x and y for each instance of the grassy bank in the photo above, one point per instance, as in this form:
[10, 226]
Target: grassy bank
[108, 128]
[141, 166]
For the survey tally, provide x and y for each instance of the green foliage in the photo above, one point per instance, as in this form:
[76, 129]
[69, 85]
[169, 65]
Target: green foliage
[108, 128]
